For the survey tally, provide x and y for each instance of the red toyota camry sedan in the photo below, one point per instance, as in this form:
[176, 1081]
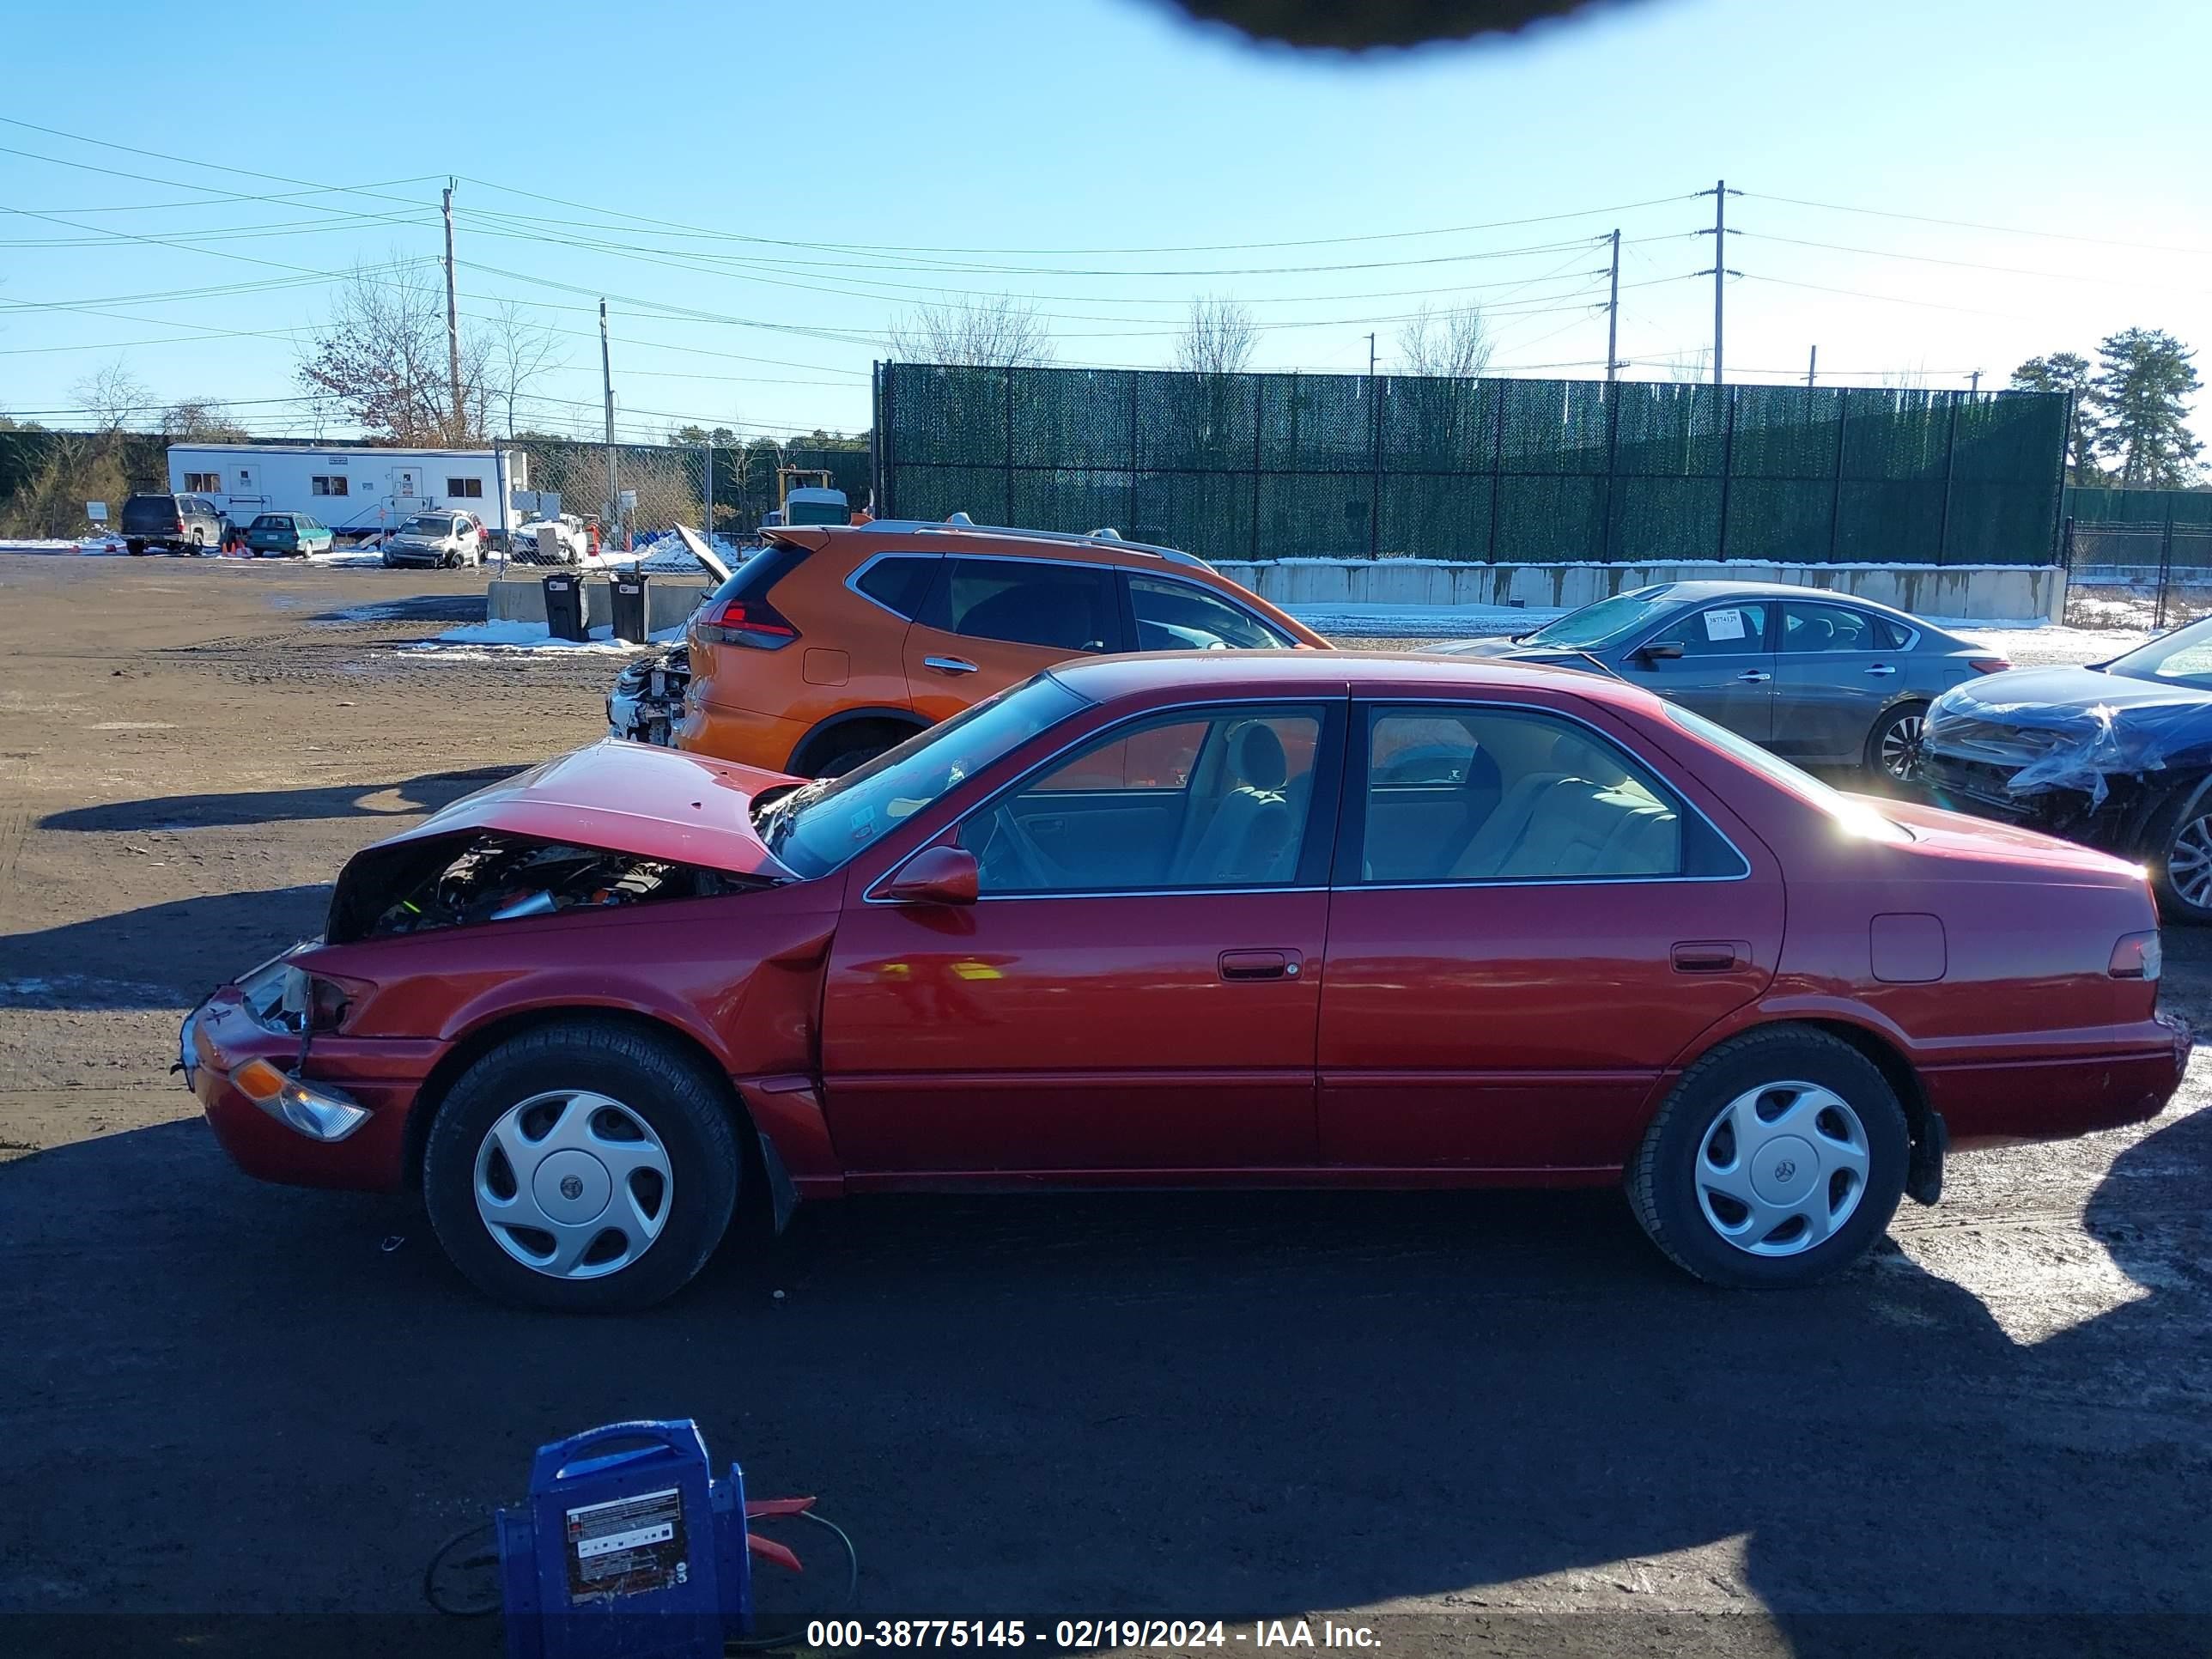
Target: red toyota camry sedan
[1286, 918]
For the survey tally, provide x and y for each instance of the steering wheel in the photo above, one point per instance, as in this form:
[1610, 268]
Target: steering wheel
[1037, 866]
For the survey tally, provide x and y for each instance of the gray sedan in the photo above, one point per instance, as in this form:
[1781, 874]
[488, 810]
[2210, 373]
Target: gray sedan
[1817, 676]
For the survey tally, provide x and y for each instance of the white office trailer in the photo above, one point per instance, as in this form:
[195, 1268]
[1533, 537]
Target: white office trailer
[356, 492]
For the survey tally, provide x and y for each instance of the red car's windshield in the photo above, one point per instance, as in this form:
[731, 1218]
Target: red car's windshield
[817, 828]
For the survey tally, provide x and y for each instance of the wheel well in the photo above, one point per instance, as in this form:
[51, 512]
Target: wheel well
[1895, 1069]
[482, 1041]
[843, 731]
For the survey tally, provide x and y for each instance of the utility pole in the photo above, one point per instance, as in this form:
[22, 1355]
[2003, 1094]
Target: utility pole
[1974, 388]
[1613, 313]
[1812, 365]
[454, 325]
[607, 379]
[1720, 273]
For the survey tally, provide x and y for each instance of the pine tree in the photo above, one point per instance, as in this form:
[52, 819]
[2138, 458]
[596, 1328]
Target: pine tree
[2143, 381]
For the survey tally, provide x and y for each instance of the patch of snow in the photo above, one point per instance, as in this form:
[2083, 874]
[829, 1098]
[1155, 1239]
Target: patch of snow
[496, 641]
[94, 546]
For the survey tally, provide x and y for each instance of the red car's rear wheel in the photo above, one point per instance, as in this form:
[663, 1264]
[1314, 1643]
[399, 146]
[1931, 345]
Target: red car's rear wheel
[585, 1167]
[1778, 1160]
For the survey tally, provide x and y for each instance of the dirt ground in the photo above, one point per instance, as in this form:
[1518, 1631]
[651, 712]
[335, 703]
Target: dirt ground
[240, 1418]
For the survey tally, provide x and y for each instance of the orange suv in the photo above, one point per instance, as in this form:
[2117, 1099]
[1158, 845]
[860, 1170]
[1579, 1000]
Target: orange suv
[834, 642]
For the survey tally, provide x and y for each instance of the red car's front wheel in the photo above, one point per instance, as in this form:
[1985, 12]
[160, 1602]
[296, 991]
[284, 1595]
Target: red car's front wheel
[584, 1167]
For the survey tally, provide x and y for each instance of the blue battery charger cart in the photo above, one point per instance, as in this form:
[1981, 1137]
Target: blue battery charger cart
[629, 1548]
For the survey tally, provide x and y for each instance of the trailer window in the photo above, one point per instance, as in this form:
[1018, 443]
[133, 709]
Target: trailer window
[471, 488]
[335, 486]
[196, 482]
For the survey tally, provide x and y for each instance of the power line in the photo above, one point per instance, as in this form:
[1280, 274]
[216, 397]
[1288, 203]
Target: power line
[1969, 264]
[1970, 224]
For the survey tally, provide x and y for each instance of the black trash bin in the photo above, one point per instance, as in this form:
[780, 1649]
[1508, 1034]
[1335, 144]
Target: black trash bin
[630, 604]
[564, 606]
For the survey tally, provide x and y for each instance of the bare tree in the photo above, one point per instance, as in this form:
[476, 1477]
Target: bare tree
[1219, 338]
[1691, 367]
[113, 396]
[380, 360]
[993, 332]
[199, 420]
[1454, 343]
[519, 353]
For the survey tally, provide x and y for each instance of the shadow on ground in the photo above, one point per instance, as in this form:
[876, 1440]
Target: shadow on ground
[420, 794]
[160, 956]
[239, 1399]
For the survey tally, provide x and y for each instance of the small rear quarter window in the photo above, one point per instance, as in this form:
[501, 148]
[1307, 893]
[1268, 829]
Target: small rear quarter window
[899, 584]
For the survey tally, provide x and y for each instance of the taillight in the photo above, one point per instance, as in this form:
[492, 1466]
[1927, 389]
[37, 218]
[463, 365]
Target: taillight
[1988, 665]
[2138, 956]
[754, 623]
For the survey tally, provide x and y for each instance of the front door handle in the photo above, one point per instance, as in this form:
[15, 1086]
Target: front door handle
[949, 664]
[1712, 956]
[1755, 676]
[1260, 964]
[1882, 668]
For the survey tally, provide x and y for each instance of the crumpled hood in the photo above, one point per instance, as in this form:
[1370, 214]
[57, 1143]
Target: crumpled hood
[626, 798]
[1507, 651]
[2069, 728]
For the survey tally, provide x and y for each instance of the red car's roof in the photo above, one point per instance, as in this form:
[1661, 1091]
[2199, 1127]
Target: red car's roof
[633, 798]
[1379, 673]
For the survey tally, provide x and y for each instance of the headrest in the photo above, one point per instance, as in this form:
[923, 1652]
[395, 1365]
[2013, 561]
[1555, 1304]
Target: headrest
[1258, 757]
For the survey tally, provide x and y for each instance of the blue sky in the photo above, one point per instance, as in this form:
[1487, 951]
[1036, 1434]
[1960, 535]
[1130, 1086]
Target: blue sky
[1096, 124]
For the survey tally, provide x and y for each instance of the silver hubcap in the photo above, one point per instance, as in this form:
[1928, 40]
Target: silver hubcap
[1900, 746]
[572, 1184]
[2189, 862]
[1781, 1167]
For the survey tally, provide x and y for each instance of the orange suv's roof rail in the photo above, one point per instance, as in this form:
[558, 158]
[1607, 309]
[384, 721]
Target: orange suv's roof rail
[1065, 537]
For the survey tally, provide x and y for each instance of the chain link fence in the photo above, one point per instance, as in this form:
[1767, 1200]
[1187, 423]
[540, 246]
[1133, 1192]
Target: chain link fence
[1274, 466]
[2137, 576]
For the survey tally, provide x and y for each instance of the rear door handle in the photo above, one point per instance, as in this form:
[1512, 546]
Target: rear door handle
[1712, 956]
[949, 664]
[1882, 668]
[1755, 676]
[1260, 964]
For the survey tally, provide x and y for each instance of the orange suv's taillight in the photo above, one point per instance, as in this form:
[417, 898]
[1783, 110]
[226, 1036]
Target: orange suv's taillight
[753, 622]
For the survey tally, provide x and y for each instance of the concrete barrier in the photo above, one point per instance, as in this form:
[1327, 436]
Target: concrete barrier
[1984, 593]
[668, 601]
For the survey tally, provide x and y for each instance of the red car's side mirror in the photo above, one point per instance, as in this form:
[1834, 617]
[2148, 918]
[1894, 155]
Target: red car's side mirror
[936, 875]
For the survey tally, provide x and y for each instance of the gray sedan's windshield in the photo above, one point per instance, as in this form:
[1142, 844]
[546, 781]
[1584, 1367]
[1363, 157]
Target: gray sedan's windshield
[2181, 658]
[1594, 624]
[831, 820]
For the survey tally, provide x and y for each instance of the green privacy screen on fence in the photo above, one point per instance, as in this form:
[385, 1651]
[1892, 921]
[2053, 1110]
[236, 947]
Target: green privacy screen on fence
[1271, 466]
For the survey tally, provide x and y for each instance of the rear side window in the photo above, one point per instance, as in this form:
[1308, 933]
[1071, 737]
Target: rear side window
[1817, 627]
[1474, 793]
[1063, 607]
[1176, 615]
[900, 583]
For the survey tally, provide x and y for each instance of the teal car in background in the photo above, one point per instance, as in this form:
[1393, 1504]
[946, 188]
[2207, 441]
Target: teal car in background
[293, 535]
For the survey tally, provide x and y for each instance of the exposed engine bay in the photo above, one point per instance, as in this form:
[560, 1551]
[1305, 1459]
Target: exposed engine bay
[473, 880]
[647, 699]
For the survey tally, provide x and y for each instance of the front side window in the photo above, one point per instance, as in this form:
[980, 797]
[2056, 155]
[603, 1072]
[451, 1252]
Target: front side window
[1187, 801]
[1173, 615]
[1719, 631]
[899, 584]
[1474, 793]
[1023, 602]
[816, 828]
[1815, 627]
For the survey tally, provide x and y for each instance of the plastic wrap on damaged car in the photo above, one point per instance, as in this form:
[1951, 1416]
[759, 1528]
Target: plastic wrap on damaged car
[2068, 746]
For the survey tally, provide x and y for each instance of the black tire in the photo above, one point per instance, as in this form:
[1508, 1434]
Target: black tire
[137, 550]
[653, 1079]
[2184, 818]
[1899, 726]
[845, 760]
[389, 562]
[1663, 1183]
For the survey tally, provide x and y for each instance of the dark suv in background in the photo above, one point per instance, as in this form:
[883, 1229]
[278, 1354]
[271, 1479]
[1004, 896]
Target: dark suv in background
[181, 524]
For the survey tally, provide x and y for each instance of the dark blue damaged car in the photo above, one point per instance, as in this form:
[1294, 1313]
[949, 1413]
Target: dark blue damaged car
[2117, 754]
